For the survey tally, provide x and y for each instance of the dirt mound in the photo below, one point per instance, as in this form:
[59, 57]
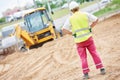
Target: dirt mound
[58, 60]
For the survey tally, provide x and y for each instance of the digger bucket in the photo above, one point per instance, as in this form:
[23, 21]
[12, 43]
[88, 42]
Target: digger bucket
[8, 45]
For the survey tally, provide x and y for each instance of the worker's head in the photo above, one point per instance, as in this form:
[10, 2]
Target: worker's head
[74, 6]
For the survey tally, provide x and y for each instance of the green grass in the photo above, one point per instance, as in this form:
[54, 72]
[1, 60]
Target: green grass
[87, 4]
[106, 11]
[60, 13]
[10, 23]
[112, 7]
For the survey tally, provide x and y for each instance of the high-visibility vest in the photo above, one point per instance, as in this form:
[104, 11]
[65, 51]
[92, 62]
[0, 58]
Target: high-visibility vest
[80, 27]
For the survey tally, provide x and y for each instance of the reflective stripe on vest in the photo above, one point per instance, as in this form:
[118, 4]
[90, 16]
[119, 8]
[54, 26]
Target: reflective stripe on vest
[80, 27]
[80, 36]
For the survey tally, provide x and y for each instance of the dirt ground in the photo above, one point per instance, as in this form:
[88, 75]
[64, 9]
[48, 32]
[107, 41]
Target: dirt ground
[58, 60]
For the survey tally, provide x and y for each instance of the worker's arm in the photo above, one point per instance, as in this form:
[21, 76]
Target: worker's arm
[92, 19]
[94, 23]
[65, 31]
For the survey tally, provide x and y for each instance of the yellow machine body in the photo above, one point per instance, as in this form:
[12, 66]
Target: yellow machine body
[41, 35]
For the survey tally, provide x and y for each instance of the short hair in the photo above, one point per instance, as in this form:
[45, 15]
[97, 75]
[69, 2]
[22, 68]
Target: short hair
[75, 9]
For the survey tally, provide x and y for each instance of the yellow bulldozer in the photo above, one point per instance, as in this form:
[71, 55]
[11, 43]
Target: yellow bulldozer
[39, 28]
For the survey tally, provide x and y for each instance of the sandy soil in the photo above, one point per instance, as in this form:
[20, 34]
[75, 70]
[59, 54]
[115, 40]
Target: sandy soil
[58, 60]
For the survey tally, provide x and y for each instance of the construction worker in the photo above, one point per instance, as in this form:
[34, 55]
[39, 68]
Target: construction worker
[78, 24]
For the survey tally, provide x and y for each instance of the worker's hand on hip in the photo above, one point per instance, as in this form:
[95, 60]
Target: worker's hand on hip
[90, 29]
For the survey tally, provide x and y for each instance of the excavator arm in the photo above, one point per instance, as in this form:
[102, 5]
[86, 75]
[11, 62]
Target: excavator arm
[24, 35]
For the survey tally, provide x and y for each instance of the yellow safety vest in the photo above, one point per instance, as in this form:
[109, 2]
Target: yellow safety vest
[80, 27]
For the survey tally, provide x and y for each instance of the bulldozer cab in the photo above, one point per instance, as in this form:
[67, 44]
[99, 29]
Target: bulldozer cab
[37, 20]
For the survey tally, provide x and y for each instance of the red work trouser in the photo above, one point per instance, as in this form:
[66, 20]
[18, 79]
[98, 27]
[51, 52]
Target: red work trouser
[81, 48]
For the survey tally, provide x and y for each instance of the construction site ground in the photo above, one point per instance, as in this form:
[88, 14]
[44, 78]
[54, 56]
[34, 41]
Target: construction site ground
[59, 60]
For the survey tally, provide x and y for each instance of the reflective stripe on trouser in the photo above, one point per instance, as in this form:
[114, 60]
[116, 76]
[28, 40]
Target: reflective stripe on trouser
[81, 48]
